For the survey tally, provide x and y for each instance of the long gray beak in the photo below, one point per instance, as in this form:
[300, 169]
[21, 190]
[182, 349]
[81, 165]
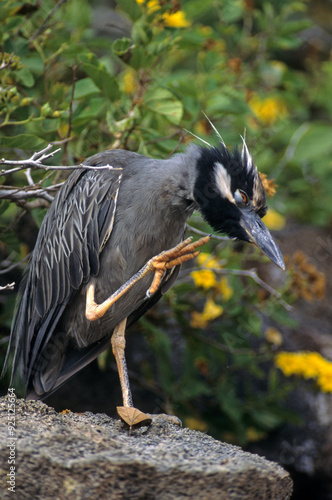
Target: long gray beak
[259, 234]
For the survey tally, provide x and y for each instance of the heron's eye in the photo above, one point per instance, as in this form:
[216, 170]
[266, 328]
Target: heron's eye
[241, 198]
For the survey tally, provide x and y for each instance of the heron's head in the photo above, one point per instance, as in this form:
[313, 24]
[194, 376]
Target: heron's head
[231, 197]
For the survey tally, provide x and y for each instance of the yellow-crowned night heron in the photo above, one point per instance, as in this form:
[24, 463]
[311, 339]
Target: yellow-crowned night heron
[106, 233]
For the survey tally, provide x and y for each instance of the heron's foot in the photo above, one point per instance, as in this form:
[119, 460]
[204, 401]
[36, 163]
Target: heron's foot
[135, 418]
[181, 253]
[170, 418]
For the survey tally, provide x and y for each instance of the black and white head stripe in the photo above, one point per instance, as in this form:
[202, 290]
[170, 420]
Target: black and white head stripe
[220, 175]
[235, 170]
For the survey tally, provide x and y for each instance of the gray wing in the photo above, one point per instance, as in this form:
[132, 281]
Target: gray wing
[66, 254]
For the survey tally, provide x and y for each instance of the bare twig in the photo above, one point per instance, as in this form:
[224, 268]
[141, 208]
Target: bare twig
[251, 273]
[24, 195]
[291, 148]
[14, 266]
[5, 64]
[70, 117]
[31, 205]
[28, 176]
[44, 24]
[241, 272]
[10, 286]
[18, 194]
[202, 233]
[35, 161]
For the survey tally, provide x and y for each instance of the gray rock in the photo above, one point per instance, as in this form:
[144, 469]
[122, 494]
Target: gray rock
[78, 456]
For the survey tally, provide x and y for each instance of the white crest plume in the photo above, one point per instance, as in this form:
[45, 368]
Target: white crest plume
[199, 138]
[214, 128]
[245, 155]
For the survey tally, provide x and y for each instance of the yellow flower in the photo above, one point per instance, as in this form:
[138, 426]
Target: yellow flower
[153, 6]
[129, 82]
[211, 311]
[268, 110]
[274, 221]
[176, 19]
[308, 365]
[204, 278]
[206, 260]
[273, 336]
[224, 288]
[324, 380]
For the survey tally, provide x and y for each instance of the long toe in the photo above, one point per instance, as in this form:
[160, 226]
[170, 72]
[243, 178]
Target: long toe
[170, 418]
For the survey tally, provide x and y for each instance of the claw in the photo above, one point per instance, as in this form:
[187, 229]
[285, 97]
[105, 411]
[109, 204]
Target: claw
[168, 259]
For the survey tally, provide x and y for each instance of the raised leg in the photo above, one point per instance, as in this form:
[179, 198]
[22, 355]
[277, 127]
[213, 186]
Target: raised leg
[182, 252]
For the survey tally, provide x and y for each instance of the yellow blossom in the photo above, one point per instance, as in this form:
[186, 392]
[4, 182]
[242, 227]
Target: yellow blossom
[274, 221]
[129, 82]
[211, 311]
[176, 19]
[268, 110]
[204, 278]
[206, 260]
[153, 6]
[273, 336]
[224, 288]
[308, 365]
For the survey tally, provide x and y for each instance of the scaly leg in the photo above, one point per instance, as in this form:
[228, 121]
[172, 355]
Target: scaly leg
[186, 250]
[128, 413]
[118, 346]
[182, 252]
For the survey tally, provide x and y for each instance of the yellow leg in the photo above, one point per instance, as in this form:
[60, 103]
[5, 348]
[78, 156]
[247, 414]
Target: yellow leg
[186, 250]
[118, 346]
[182, 252]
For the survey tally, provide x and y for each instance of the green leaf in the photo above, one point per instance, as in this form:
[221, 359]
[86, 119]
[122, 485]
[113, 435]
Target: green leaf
[25, 77]
[121, 46]
[131, 8]
[104, 81]
[23, 141]
[163, 102]
[231, 405]
[316, 142]
[85, 87]
[86, 113]
[4, 204]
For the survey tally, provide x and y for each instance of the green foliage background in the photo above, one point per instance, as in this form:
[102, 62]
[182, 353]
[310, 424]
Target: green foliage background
[139, 91]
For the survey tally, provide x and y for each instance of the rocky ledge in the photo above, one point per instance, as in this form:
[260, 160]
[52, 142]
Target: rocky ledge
[78, 456]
